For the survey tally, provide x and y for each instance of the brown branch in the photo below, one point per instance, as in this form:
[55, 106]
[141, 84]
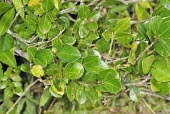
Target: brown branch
[22, 96]
[148, 106]
[21, 53]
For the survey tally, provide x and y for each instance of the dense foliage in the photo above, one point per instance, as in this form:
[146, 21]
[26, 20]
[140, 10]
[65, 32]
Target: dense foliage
[84, 56]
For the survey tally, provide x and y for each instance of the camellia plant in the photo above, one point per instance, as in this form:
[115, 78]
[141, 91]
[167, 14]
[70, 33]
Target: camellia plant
[84, 56]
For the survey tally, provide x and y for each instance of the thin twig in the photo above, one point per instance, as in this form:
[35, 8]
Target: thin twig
[133, 1]
[116, 60]
[155, 95]
[52, 103]
[146, 49]
[22, 96]
[110, 49]
[148, 106]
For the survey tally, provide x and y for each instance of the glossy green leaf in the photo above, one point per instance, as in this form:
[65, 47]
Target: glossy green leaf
[47, 4]
[155, 23]
[45, 97]
[122, 25]
[8, 58]
[53, 33]
[84, 11]
[162, 88]
[162, 46]
[41, 61]
[4, 84]
[123, 37]
[8, 93]
[83, 31]
[6, 42]
[108, 34]
[160, 70]
[80, 95]
[37, 71]
[93, 64]
[6, 21]
[74, 70]
[109, 81]
[92, 94]
[68, 38]
[57, 4]
[147, 63]
[164, 30]
[77, 24]
[44, 53]
[93, 26]
[57, 45]
[53, 93]
[102, 45]
[44, 24]
[16, 78]
[71, 90]
[19, 5]
[51, 69]
[63, 21]
[89, 78]
[4, 7]
[95, 16]
[1, 72]
[31, 52]
[165, 3]
[69, 54]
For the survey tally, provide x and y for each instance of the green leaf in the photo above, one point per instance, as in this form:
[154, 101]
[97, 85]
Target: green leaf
[123, 37]
[135, 94]
[6, 21]
[44, 24]
[102, 45]
[1, 72]
[92, 94]
[83, 31]
[6, 42]
[80, 95]
[37, 71]
[77, 24]
[89, 78]
[160, 70]
[147, 63]
[93, 64]
[74, 70]
[68, 38]
[162, 88]
[18, 5]
[71, 90]
[108, 34]
[162, 46]
[84, 11]
[8, 58]
[95, 16]
[41, 61]
[52, 69]
[57, 45]
[45, 53]
[31, 52]
[69, 54]
[4, 84]
[57, 4]
[165, 3]
[93, 26]
[4, 7]
[8, 93]
[164, 30]
[155, 23]
[109, 81]
[20, 106]
[47, 5]
[122, 25]
[45, 97]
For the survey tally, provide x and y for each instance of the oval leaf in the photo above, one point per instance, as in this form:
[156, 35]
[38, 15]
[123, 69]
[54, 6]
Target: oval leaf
[44, 24]
[6, 21]
[69, 54]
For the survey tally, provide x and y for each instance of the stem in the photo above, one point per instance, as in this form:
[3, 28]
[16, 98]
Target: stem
[148, 106]
[22, 96]
[147, 48]
[110, 49]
